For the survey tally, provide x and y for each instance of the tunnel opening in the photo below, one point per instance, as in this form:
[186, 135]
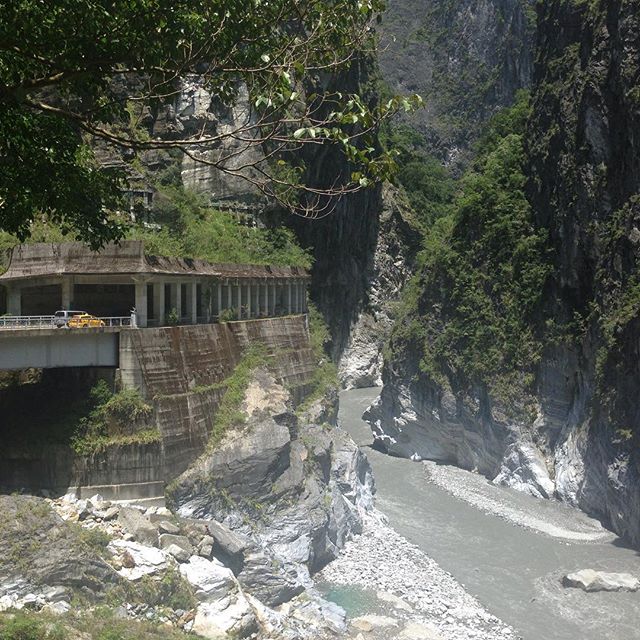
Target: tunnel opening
[41, 412]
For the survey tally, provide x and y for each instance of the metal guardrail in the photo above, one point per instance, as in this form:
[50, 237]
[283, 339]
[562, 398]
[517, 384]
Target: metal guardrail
[23, 322]
[48, 322]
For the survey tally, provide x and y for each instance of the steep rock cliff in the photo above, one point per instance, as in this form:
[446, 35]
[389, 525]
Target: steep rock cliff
[465, 58]
[577, 435]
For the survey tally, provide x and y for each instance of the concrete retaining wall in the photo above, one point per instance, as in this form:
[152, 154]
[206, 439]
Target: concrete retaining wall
[172, 366]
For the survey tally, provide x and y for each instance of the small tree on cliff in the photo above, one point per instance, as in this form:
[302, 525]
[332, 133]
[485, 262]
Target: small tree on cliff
[73, 71]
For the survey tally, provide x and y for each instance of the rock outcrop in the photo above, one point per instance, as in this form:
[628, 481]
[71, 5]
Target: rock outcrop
[285, 492]
[465, 58]
[577, 438]
[589, 580]
[393, 263]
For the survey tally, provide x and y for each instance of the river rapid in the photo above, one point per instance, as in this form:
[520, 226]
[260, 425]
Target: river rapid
[505, 552]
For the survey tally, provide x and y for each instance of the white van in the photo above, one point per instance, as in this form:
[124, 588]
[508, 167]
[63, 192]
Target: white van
[61, 318]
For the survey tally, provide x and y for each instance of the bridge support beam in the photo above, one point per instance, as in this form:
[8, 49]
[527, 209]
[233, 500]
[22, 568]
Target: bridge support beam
[192, 302]
[219, 299]
[67, 292]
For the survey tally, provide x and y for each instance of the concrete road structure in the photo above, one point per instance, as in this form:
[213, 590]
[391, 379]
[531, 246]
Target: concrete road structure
[43, 278]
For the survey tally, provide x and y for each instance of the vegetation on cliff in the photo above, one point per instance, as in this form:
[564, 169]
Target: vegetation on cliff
[184, 226]
[470, 309]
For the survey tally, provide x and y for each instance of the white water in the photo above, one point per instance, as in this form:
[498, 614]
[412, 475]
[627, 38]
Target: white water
[510, 551]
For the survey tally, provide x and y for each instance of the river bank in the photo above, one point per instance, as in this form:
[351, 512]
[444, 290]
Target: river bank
[508, 550]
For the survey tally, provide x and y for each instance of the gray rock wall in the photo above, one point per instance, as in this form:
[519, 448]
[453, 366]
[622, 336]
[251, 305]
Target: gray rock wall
[581, 442]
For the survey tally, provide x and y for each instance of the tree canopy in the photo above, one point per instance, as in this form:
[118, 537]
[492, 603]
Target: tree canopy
[73, 71]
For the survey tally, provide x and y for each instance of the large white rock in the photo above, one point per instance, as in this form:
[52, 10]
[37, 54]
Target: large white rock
[148, 560]
[228, 617]
[395, 601]
[224, 609]
[590, 580]
[210, 578]
[524, 469]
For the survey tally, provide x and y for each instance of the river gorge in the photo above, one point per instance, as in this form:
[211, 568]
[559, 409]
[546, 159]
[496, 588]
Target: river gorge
[509, 550]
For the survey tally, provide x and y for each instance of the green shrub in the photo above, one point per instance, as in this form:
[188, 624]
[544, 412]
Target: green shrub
[23, 627]
[228, 315]
[229, 412]
[192, 229]
[114, 418]
[173, 317]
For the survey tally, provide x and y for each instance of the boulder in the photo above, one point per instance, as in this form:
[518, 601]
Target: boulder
[228, 617]
[590, 581]
[138, 525]
[211, 579]
[167, 539]
[111, 513]
[228, 546]
[180, 554]
[164, 526]
[270, 583]
[147, 560]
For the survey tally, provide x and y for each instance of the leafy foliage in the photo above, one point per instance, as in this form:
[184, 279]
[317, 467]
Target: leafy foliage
[99, 624]
[325, 373]
[190, 229]
[115, 418]
[428, 184]
[73, 71]
[230, 412]
[484, 267]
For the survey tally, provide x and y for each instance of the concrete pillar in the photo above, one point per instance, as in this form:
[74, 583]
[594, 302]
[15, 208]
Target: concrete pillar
[14, 301]
[305, 300]
[229, 296]
[289, 298]
[192, 302]
[67, 292]
[265, 299]
[176, 299]
[219, 298]
[272, 306]
[158, 303]
[249, 296]
[239, 300]
[141, 304]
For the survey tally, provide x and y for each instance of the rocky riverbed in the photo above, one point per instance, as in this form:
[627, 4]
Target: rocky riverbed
[422, 601]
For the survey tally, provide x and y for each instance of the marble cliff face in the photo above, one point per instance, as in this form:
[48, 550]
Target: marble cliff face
[581, 443]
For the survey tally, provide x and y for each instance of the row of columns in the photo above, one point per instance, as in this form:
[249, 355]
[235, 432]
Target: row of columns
[258, 299]
[250, 299]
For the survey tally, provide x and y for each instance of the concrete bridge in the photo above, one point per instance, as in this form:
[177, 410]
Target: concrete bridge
[47, 348]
